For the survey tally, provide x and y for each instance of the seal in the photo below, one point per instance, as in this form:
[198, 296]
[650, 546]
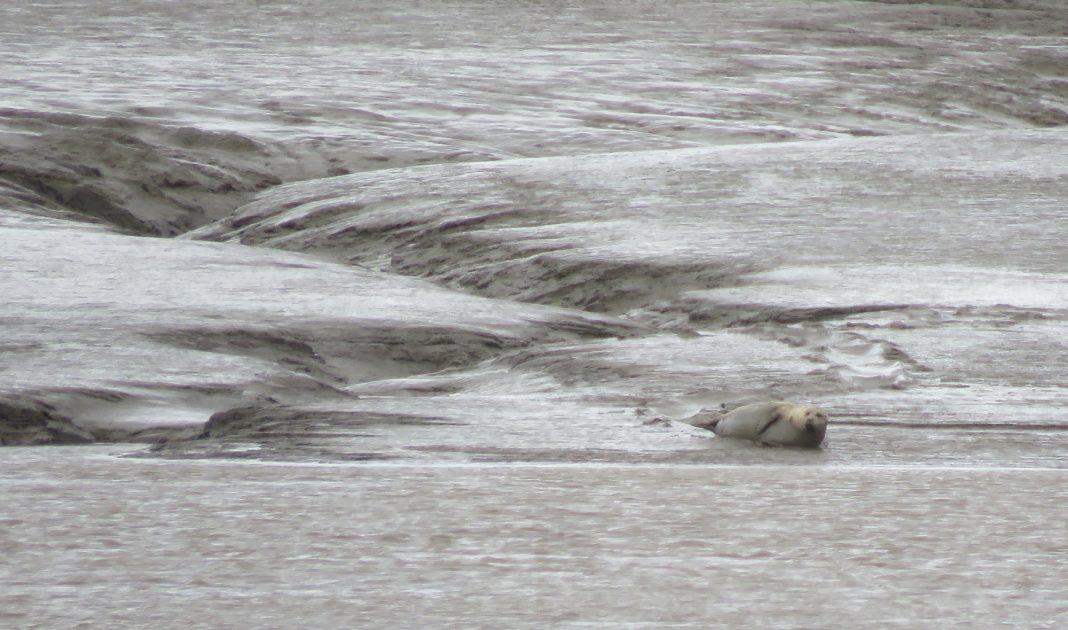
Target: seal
[778, 423]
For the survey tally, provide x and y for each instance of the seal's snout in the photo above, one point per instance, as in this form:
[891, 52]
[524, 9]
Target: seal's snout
[815, 422]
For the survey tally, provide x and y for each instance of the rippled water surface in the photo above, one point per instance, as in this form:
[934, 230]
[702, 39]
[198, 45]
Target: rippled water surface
[392, 315]
[96, 541]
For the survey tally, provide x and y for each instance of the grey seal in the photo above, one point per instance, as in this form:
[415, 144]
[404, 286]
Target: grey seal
[779, 423]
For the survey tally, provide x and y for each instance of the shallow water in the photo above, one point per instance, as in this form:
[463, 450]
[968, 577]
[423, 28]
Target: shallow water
[91, 540]
[453, 274]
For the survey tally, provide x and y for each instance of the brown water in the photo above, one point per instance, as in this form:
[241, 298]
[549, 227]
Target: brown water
[93, 541]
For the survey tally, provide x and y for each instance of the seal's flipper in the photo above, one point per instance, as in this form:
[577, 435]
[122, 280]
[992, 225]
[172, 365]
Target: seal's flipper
[705, 419]
[709, 425]
[775, 418]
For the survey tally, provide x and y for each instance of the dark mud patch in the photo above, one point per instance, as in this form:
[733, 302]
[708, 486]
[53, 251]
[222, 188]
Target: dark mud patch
[289, 422]
[288, 433]
[737, 315]
[137, 176]
[28, 422]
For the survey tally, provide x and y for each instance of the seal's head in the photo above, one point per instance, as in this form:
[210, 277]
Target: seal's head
[807, 419]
